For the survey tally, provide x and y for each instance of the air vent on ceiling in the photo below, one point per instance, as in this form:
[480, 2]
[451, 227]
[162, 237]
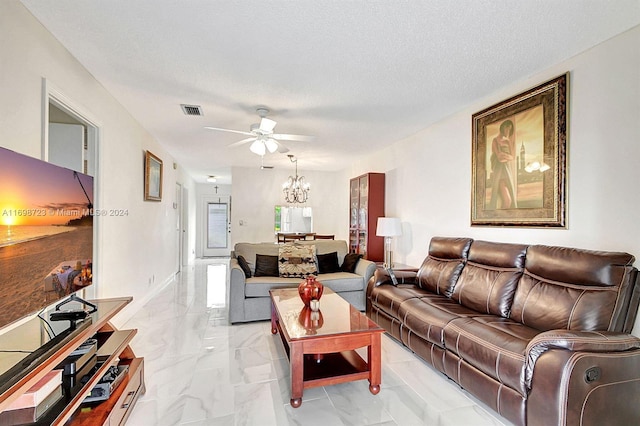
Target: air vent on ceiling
[191, 109]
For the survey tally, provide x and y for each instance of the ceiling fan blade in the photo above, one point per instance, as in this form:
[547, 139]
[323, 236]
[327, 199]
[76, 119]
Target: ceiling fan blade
[229, 130]
[267, 125]
[301, 138]
[243, 141]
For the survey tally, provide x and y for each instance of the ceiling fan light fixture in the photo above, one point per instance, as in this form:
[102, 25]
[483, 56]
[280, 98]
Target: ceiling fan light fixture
[262, 136]
[271, 145]
[257, 147]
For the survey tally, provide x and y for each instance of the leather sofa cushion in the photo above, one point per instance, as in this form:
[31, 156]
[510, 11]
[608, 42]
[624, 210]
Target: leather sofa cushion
[449, 248]
[493, 345]
[427, 316]
[488, 281]
[598, 268]
[388, 297]
[441, 269]
[573, 289]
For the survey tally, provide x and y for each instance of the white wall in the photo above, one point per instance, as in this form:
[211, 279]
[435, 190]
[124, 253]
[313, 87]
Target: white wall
[256, 192]
[136, 253]
[429, 174]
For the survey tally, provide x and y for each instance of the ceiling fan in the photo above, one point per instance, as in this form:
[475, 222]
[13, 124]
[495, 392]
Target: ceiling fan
[262, 136]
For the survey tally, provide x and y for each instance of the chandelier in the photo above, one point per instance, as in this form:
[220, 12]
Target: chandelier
[296, 189]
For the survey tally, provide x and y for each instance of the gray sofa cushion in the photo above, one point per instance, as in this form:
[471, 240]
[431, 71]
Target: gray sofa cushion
[350, 262]
[245, 266]
[266, 266]
[328, 263]
[337, 281]
[249, 250]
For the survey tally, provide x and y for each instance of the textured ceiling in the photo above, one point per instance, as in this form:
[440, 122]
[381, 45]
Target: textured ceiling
[358, 74]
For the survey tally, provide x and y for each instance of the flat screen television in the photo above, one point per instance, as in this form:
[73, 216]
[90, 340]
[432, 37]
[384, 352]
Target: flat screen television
[46, 234]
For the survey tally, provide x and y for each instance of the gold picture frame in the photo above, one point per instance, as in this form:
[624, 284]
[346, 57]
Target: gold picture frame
[518, 159]
[152, 177]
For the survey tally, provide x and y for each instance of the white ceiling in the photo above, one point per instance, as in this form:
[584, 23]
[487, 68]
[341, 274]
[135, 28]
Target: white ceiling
[357, 74]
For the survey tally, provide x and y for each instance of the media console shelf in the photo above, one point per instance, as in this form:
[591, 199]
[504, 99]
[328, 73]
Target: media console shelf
[113, 349]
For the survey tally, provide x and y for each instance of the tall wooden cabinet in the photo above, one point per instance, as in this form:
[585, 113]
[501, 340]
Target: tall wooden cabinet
[366, 205]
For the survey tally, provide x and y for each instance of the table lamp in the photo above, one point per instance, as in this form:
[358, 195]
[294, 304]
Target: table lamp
[388, 227]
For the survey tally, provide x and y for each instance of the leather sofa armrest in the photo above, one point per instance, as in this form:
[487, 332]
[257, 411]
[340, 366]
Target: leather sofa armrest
[576, 341]
[381, 276]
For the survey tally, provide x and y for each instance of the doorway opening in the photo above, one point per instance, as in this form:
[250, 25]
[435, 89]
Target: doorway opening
[217, 225]
[70, 138]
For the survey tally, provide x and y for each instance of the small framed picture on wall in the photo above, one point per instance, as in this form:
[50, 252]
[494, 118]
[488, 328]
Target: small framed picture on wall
[152, 177]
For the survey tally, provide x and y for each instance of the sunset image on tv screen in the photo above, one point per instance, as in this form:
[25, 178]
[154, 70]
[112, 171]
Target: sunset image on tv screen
[46, 234]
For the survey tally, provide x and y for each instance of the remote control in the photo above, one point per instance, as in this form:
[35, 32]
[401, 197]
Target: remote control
[394, 280]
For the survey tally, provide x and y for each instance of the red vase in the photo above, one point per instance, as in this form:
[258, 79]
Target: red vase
[310, 289]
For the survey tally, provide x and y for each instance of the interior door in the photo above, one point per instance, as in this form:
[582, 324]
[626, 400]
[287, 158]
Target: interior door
[216, 240]
[179, 235]
[67, 146]
[185, 226]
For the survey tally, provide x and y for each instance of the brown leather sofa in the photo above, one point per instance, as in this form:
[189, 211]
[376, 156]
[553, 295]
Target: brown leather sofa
[540, 334]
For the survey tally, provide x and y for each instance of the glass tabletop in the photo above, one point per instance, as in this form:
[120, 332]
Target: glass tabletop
[335, 316]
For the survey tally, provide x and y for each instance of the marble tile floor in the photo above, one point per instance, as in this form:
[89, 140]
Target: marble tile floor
[200, 370]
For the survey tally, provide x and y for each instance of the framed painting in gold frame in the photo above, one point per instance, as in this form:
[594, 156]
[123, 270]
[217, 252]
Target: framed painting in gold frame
[518, 159]
[152, 177]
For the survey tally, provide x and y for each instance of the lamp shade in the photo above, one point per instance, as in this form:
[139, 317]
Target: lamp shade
[257, 147]
[388, 227]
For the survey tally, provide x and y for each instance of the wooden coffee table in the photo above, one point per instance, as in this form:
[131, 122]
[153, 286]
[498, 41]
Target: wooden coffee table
[321, 345]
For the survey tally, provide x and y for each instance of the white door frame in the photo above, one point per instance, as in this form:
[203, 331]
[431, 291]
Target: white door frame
[185, 226]
[52, 95]
[205, 201]
[179, 234]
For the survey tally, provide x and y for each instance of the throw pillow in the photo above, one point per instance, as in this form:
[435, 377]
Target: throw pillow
[297, 261]
[266, 266]
[245, 266]
[350, 262]
[328, 263]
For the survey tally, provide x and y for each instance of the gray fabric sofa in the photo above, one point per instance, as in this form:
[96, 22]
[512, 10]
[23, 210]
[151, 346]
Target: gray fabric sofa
[249, 297]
